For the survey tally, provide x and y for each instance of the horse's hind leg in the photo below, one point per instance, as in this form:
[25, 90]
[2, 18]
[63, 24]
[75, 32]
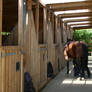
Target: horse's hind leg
[82, 74]
[88, 72]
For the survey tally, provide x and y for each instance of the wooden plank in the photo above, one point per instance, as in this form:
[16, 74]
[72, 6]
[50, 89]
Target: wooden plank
[3, 72]
[7, 72]
[19, 71]
[15, 72]
[0, 71]
[10, 73]
[13, 68]
[22, 75]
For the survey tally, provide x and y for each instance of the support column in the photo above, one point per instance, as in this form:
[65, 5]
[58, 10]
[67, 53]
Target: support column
[71, 33]
[20, 22]
[64, 33]
[45, 23]
[68, 32]
[37, 19]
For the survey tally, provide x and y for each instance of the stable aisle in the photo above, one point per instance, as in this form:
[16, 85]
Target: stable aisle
[67, 83]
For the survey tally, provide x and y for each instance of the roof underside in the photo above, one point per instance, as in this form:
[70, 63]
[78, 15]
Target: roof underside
[72, 11]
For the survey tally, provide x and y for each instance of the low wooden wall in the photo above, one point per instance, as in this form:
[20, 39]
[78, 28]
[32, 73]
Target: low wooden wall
[11, 69]
[57, 61]
[43, 65]
[60, 63]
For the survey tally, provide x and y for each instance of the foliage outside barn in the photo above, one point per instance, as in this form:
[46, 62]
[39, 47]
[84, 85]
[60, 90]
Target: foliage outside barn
[84, 35]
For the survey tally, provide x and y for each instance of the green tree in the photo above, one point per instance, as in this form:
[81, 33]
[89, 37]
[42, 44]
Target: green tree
[83, 35]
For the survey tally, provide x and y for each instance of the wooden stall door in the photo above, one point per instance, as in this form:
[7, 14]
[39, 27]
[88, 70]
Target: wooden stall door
[43, 67]
[11, 67]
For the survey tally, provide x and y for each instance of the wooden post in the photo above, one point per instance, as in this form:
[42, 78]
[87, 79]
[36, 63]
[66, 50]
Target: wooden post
[68, 32]
[45, 24]
[61, 25]
[71, 30]
[56, 23]
[37, 20]
[29, 4]
[0, 22]
[20, 22]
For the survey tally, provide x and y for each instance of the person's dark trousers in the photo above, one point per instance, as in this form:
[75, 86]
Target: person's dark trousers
[67, 67]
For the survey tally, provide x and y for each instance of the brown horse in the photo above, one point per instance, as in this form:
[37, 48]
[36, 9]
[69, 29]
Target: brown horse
[78, 51]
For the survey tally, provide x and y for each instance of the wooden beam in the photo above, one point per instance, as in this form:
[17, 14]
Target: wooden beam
[20, 22]
[70, 15]
[86, 27]
[77, 20]
[0, 22]
[75, 8]
[70, 6]
[81, 24]
[40, 1]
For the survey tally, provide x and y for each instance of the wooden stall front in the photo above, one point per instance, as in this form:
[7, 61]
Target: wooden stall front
[43, 65]
[11, 69]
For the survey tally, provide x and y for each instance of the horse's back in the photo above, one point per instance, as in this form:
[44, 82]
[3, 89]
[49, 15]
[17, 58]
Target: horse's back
[81, 49]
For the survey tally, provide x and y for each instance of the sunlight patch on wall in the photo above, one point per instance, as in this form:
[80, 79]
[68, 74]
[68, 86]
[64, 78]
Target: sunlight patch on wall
[27, 18]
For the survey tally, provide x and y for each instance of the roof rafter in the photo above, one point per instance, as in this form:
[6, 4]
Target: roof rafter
[70, 6]
[81, 24]
[70, 15]
[78, 20]
[86, 27]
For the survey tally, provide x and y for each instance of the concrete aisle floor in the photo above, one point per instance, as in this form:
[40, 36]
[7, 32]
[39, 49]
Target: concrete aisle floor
[67, 83]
